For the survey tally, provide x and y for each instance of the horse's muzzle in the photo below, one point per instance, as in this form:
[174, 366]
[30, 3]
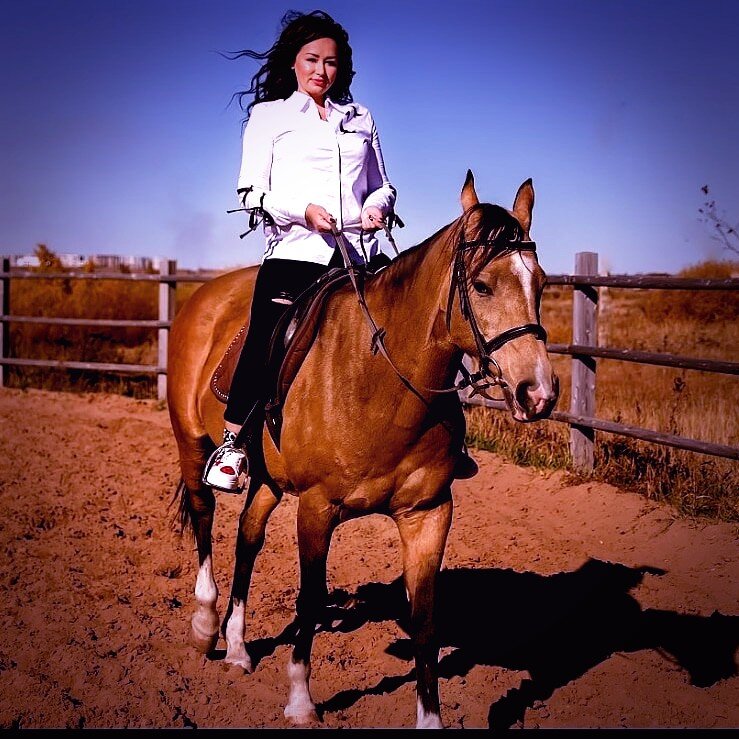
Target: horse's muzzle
[534, 401]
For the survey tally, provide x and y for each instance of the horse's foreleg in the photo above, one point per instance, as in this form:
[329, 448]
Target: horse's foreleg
[423, 538]
[316, 523]
[200, 506]
[250, 540]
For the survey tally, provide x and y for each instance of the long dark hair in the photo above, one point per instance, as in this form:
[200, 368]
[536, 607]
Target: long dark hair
[276, 80]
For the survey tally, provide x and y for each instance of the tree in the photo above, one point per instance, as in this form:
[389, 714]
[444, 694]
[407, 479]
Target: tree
[48, 261]
[721, 230]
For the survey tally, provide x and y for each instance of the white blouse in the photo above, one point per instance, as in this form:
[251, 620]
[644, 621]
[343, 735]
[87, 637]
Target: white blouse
[292, 158]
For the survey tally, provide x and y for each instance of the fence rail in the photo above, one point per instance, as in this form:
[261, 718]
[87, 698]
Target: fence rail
[621, 429]
[117, 323]
[584, 350]
[646, 282]
[662, 360]
[6, 273]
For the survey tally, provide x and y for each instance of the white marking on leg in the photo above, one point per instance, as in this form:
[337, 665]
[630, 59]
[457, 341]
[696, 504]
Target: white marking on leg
[206, 590]
[205, 619]
[236, 653]
[300, 707]
[425, 720]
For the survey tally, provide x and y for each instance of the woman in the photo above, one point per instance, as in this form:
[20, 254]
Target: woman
[311, 161]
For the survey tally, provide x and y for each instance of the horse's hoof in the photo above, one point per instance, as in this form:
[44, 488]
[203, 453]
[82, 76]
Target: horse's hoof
[465, 468]
[299, 716]
[241, 661]
[202, 642]
[203, 634]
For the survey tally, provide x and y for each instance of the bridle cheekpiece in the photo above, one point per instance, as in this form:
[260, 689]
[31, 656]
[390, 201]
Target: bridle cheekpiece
[490, 373]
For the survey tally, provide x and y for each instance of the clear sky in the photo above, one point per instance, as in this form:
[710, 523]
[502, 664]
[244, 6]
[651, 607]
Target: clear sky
[118, 135]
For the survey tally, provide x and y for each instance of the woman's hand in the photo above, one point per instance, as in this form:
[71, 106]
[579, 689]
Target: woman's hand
[372, 218]
[319, 219]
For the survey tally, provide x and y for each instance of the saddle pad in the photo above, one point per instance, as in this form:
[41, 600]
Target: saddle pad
[220, 382]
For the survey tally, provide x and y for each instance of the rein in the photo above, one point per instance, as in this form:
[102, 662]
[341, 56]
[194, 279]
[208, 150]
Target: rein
[377, 343]
[486, 377]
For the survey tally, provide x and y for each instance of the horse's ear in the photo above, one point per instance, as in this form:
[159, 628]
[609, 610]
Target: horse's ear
[469, 196]
[523, 204]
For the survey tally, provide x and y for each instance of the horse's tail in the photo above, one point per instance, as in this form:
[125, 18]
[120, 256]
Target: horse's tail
[181, 518]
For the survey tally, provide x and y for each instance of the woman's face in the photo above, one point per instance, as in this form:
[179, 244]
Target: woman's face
[316, 66]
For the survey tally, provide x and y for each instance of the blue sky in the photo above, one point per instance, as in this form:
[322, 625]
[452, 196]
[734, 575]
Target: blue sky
[119, 137]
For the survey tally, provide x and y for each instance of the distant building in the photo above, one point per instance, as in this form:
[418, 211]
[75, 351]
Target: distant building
[138, 264]
[72, 261]
[107, 261]
[24, 261]
[111, 262]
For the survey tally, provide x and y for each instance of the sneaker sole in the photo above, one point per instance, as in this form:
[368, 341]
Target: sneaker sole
[236, 490]
[225, 484]
[232, 491]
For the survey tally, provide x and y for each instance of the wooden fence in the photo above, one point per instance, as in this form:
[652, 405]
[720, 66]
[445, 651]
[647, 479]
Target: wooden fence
[584, 348]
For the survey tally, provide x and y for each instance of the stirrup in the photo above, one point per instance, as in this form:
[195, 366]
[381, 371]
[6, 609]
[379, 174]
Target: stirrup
[226, 469]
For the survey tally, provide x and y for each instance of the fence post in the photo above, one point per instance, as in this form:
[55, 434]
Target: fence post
[4, 311]
[167, 291]
[584, 332]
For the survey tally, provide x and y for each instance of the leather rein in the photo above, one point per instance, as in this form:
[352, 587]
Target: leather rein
[490, 373]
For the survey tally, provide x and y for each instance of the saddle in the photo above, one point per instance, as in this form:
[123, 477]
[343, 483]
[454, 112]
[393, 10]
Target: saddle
[291, 340]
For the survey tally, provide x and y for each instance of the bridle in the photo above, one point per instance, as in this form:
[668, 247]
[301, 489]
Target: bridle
[490, 373]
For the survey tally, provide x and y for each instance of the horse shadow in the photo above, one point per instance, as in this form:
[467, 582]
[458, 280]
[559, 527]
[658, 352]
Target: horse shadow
[555, 627]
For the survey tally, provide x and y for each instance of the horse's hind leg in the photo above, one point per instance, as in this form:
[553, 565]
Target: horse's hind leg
[198, 507]
[423, 538]
[250, 539]
[317, 520]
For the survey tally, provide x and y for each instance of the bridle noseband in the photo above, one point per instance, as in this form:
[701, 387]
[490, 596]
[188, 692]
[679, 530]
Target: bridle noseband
[490, 373]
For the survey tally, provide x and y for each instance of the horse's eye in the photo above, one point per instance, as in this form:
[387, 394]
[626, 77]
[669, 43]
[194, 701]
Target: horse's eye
[480, 287]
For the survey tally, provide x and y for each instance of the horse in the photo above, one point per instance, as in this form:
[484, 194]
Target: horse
[366, 431]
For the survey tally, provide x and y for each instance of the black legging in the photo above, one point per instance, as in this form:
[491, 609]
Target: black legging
[276, 278]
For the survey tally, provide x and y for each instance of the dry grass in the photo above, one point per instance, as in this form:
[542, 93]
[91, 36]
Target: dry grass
[688, 403]
[99, 299]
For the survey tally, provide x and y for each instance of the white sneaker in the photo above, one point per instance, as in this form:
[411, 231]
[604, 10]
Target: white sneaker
[224, 469]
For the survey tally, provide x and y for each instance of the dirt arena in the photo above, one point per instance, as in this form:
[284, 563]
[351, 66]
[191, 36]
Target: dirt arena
[560, 605]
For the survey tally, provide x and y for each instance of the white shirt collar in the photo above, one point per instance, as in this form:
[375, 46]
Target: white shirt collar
[301, 102]
[336, 106]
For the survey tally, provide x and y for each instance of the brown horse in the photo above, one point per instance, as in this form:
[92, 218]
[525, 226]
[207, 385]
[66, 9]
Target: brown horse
[360, 434]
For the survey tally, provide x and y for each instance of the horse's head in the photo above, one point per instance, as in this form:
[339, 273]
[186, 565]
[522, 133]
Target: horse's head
[494, 299]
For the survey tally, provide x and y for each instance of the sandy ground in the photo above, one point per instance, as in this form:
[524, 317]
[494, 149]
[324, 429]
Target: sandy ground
[560, 605]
